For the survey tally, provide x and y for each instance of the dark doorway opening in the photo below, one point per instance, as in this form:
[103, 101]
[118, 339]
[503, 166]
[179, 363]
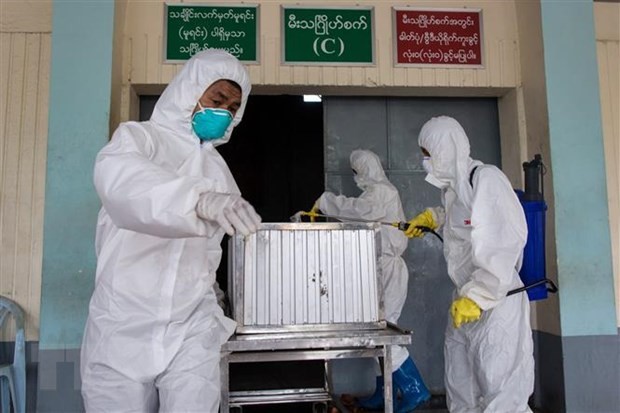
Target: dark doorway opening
[276, 157]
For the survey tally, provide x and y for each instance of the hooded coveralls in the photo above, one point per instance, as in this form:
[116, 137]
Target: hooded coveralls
[489, 364]
[379, 201]
[154, 325]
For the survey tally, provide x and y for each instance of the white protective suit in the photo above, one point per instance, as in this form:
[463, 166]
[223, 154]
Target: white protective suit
[379, 201]
[154, 324]
[489, 364]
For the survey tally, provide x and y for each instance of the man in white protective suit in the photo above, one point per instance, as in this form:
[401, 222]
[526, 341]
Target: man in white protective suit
[154, 329]
[489, 363]
[380, 201]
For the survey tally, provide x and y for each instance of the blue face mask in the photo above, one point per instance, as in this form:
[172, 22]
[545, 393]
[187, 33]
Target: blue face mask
[211, 123]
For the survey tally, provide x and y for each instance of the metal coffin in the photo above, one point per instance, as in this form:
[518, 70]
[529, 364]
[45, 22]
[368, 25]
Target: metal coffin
[306, 277]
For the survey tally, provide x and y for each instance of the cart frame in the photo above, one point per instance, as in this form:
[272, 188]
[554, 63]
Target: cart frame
[273, 347]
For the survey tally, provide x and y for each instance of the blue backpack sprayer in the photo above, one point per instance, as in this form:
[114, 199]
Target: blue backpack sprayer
[533, 273]
[533, 202]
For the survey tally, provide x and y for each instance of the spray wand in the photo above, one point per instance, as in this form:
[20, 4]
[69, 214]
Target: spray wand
[403, 226]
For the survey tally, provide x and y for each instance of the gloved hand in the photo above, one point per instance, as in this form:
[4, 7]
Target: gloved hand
[314, 211]
[297, 216]
[312, 214]
[424, 219]
[230, 211]
[464, 310]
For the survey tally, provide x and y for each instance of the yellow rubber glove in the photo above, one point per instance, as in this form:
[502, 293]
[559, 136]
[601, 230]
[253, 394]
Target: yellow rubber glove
[424, 219]
[313, 212]
[464, 310]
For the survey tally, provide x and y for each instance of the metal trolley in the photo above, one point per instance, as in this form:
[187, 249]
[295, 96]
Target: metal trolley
[306, 291]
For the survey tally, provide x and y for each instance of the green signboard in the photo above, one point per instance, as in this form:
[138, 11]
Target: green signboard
[338, 36]
[190, 28]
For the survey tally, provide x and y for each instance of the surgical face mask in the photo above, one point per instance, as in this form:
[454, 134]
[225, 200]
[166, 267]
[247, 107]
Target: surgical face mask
[211, 123]
[359, 182]
[435, 182]
[430, 178]
[427, 165]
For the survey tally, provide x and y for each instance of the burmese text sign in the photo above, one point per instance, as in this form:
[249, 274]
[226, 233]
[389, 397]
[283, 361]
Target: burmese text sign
[444, 37]
[190, 28]
[335, 36]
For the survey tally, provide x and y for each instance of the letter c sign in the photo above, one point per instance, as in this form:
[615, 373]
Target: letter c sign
[328, 46]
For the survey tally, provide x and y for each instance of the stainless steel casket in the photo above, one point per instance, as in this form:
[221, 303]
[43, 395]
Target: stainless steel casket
[306, 277]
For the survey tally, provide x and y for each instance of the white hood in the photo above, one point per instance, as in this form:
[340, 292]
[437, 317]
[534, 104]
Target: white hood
[368, 167]
[174, 108]
[446, 141]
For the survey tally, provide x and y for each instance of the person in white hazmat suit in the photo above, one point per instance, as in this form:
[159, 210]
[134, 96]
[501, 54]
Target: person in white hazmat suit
[154, 328]
[489, 363]
[380, 201]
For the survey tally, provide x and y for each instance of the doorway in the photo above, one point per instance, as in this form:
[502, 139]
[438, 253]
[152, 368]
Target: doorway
[276, 155]
[286, 152]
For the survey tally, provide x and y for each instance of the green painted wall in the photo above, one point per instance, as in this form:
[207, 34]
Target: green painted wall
[575, 133]
[79, 107]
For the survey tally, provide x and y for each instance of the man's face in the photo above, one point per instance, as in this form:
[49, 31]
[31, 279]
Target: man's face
[223, 94]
